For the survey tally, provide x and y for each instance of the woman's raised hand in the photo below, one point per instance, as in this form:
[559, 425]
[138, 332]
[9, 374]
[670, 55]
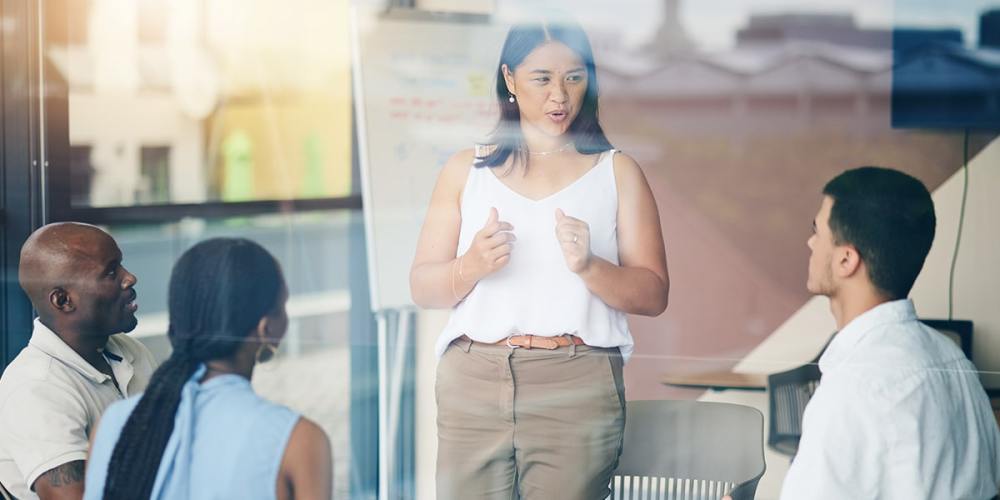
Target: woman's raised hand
[574, 239]
[490, 249]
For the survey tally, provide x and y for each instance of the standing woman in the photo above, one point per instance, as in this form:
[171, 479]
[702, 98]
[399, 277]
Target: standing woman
[199, 430]
[541, 242]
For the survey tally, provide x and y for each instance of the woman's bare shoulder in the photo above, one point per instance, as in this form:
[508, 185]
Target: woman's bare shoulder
[623, 161]
[307, 440]
[307, 463]
[456, 169]
[464, 157]
[627, 170]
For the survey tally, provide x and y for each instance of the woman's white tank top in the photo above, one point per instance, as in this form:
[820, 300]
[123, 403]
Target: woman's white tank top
[536, 293]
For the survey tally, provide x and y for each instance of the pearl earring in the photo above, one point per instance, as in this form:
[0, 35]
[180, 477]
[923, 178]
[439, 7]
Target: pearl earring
[511, 98]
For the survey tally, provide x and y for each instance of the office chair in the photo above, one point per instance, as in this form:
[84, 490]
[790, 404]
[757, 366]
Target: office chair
[690, 449]
[788, 393]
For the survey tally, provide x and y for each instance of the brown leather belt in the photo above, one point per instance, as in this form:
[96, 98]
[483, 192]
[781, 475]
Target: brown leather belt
[537, 342]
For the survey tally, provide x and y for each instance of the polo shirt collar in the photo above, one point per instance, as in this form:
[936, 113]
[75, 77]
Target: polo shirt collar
[844, 342]
[114, 350]
[45, 340]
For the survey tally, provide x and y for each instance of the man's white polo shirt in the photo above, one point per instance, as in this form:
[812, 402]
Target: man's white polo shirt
[50, 399]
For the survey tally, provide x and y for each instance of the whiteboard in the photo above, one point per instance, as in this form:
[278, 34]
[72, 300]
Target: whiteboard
[423, 91]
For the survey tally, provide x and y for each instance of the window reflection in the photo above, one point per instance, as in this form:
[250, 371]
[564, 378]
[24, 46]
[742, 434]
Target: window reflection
[191, 101]
[737, 112]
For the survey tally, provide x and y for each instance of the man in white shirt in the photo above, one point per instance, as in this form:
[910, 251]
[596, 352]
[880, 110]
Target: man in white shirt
[76, 363]
[900, 411]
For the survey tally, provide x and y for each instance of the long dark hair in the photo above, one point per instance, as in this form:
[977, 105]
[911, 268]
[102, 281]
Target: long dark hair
[219, 291]
[586, 129]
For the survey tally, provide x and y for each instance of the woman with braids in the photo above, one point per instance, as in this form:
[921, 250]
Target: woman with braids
[199, 431]
[529, 385]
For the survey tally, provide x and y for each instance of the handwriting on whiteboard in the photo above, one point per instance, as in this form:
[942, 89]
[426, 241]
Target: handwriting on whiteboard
[438, 110]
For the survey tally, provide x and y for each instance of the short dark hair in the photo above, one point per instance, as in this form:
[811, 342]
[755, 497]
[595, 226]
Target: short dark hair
[889, 217]
[586, 129]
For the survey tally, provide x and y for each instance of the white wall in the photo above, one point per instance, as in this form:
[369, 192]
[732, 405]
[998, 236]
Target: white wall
[977, 272]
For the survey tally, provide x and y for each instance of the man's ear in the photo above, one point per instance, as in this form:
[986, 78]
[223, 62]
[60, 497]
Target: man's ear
[508, 78]
[61, 300]
[846, 261]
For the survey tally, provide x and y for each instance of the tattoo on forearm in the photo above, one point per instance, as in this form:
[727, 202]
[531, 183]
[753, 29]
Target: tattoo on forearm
[65, 474]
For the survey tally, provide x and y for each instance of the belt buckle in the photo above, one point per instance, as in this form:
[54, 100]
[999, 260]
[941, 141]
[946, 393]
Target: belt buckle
[512, 346]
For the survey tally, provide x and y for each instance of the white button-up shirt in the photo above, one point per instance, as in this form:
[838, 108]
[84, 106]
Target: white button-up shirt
[899, 413]
[50, 398]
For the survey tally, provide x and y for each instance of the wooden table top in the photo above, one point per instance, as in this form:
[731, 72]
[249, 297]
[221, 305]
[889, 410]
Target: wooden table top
[718, 380]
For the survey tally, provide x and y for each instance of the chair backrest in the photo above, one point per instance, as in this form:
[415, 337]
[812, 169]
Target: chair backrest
[690, 450]
[788, 393]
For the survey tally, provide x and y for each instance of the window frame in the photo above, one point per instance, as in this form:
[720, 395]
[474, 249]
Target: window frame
[59, 206]
[20, 165]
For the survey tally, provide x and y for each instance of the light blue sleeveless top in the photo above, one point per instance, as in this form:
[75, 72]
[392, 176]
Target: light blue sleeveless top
[227, 443]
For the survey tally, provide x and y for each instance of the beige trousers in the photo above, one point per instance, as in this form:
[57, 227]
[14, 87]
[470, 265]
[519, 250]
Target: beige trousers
[532, 424]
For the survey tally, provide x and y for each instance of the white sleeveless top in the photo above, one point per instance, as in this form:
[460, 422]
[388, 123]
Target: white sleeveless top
[535, 293]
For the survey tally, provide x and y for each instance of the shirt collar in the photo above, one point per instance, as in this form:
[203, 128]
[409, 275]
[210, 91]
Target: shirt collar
[850, 335]
[114, 349]
[45, 340]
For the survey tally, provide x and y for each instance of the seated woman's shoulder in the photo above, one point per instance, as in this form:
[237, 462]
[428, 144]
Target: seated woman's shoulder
[308, 444]
[308, 430]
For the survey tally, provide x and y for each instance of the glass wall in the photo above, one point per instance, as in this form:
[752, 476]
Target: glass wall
[171, 121]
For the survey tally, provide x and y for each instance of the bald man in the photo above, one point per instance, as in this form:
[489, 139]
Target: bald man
[77, 362]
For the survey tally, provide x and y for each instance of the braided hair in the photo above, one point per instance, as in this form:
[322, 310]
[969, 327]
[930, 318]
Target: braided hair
[219, 291]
